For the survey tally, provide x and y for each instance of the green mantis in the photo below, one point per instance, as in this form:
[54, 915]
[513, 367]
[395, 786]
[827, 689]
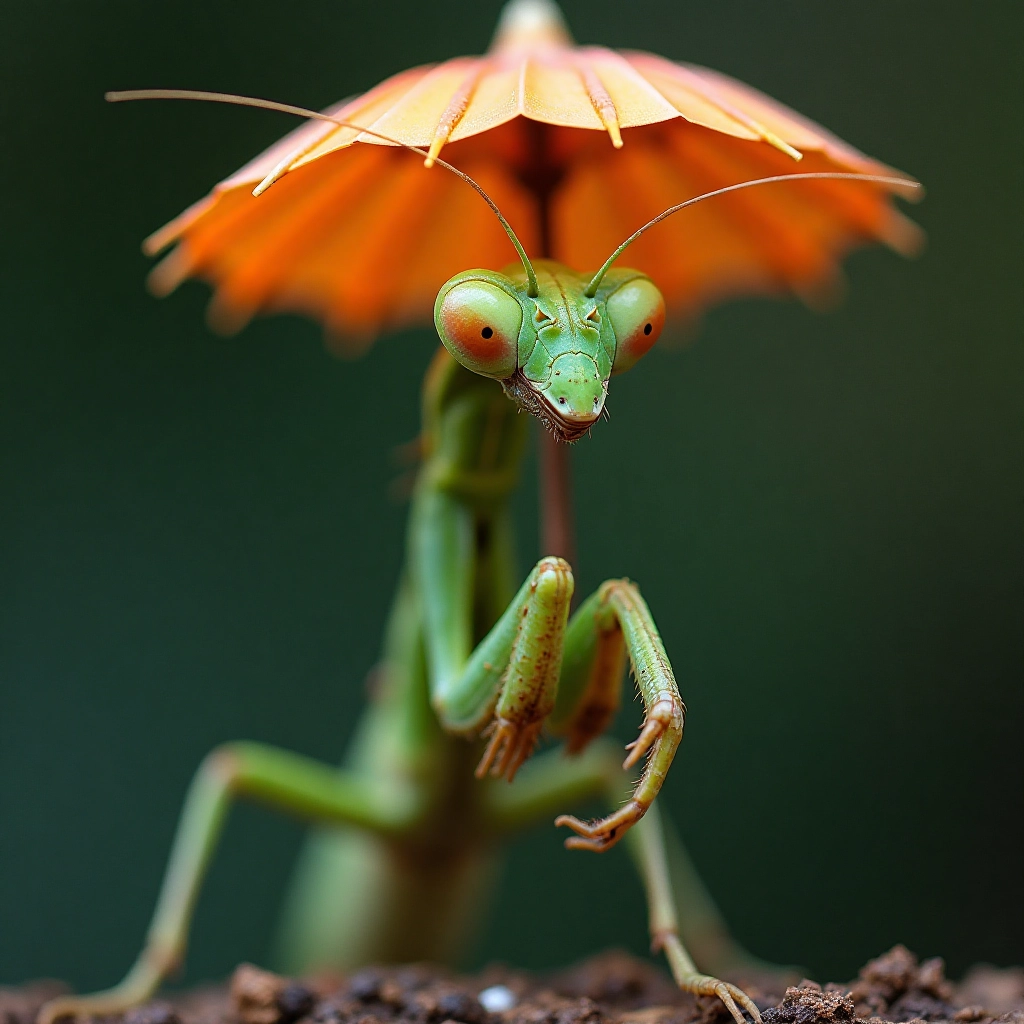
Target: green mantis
[475, 666]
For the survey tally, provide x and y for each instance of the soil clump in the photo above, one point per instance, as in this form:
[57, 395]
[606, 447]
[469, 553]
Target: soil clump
[613, 988]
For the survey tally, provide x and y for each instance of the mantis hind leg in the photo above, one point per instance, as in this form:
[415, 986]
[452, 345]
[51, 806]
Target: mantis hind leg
[668, 875]
[285, 781]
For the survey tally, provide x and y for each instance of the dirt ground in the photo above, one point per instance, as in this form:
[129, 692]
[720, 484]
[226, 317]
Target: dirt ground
[612, 988]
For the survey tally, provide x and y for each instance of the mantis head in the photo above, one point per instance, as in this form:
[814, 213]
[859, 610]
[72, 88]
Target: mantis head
[553, 351]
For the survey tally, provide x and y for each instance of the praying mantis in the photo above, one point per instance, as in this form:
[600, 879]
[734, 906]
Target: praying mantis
[475, 667]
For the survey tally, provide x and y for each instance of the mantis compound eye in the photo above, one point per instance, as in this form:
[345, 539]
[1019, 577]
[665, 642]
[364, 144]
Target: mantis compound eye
[479, 323]
[637, 313]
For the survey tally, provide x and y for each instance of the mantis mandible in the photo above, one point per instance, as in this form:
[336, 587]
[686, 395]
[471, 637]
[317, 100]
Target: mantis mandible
[473, 667]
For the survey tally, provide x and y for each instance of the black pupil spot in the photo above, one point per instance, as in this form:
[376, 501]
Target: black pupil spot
[487, 332]
[648, 328]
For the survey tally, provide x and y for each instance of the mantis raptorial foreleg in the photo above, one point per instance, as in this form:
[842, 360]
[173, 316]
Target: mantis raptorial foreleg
[613, 623]
[669, 881]
[534, 667]
[278, 778]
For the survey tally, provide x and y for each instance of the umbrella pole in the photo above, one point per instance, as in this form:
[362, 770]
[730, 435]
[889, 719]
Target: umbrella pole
[557, 525]
[557, 522]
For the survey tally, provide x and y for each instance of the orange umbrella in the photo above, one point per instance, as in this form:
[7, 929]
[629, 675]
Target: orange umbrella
[361, 236]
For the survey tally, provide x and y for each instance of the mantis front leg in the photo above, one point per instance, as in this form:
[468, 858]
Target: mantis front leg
[534, 666]
[670, 882]
[612, 623]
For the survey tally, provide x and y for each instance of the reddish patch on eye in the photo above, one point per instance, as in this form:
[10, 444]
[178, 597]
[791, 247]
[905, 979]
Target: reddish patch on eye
[476, 340]
[480, 339]
[641, 338]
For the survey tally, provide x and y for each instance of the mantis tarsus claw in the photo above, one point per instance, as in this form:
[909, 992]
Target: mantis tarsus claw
[656, 722]
[137, 987]
[604, 833]
[729, 994]
[509, 746]
[689, 979]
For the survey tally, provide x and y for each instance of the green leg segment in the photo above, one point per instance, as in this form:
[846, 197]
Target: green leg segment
[534, 665]
[510, 679]
[267, 775]
[616, 619]
[550, 783]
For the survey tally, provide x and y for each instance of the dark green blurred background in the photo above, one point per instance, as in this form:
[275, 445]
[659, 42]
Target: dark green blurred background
[198, 542]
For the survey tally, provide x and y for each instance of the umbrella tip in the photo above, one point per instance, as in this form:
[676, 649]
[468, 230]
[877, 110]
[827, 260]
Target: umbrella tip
[529, 24]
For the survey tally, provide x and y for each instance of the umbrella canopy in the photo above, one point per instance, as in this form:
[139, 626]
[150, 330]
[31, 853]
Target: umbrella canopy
[578, 146]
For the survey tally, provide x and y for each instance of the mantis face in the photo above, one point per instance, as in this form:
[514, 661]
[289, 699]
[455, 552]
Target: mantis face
[553, 352]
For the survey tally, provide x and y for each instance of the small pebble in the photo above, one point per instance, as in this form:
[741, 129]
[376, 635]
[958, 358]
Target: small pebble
[970, 1013]
[295, 1001]
[365, 986]
[329, 1012]
[497, 999]
[254, 994]
[459, 1006]
[152, 1013]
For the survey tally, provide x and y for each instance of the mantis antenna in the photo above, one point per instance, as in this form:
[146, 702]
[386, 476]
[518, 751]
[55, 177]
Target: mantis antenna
[531, 276]
[287, 108]
[880, 179]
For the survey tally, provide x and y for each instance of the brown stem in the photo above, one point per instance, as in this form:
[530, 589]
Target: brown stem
[557, 523]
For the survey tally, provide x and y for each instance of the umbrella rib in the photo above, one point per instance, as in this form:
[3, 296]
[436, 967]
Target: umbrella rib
[347, 109]
[521, 87]
[453, 114]
[703, 88]
[601, 101]
[288, 162]
[352, 108]
[748, 216]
